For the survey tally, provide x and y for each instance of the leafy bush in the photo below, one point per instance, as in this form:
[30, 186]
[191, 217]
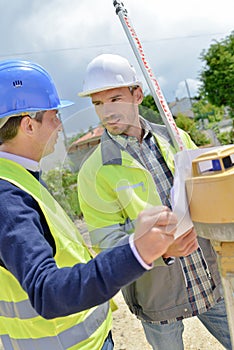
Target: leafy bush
[225, 138]
[190, 127]
[62, 184]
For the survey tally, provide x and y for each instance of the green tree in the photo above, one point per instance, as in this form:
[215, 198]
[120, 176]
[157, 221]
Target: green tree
[217, 76]
[149, 110]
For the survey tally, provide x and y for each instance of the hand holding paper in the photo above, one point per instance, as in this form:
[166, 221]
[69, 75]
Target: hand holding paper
[183, 245]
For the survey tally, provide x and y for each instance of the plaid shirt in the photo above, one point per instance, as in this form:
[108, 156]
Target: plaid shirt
[197, 277]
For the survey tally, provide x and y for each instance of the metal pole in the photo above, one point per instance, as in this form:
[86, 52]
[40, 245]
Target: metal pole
[149, 76]
[187, 88]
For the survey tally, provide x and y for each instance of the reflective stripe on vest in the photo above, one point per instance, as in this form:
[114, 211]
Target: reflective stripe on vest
[21, 309]
[65, 339]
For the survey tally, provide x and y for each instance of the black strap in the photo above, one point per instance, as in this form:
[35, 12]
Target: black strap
[2, 264]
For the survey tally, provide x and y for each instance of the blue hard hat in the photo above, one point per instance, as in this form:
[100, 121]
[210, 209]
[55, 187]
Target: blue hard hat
[27, 87]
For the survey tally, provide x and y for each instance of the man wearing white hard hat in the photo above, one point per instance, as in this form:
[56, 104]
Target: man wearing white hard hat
[132, 169]
[53, 295]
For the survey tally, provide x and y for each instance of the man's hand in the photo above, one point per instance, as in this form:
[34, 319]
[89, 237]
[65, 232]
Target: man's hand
[155, 229]
[183, 245]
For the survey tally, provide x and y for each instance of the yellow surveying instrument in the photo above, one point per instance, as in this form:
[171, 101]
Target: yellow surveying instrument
[210, 194]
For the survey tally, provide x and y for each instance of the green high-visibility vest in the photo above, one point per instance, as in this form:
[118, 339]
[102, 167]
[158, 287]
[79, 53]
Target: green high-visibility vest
[20, 325]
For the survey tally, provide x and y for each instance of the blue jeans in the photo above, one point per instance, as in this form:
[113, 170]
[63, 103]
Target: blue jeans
[169, 336]
[109, 344]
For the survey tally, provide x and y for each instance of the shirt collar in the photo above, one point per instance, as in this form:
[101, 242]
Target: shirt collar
[27, 163]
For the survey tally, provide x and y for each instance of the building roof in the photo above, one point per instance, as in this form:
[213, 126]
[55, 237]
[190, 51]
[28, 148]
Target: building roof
[93, 134]
[183, 106]
[91, 138]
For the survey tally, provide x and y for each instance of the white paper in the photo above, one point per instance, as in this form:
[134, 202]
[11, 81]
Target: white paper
[179, 200]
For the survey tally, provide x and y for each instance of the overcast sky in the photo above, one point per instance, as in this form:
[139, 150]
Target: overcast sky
[64, 36]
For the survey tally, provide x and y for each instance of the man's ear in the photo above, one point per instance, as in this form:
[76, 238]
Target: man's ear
[26, 125]
[138, 93]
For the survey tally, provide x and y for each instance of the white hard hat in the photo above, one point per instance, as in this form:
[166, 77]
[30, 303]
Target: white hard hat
[106, 72]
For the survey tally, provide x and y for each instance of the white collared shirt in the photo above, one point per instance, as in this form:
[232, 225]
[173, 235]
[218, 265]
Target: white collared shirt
[27, 163]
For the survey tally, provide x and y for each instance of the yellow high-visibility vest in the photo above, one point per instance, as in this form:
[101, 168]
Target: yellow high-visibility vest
[20, 325]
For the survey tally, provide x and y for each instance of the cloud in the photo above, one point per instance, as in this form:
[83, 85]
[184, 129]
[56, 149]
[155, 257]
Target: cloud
[64, 36]
[187, 88]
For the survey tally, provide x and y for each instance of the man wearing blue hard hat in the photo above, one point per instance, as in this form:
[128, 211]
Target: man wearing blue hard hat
[53, 295]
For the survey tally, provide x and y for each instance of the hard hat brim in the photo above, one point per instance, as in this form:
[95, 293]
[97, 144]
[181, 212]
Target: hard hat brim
[65, 103]
[93, 91]
[62, 104]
